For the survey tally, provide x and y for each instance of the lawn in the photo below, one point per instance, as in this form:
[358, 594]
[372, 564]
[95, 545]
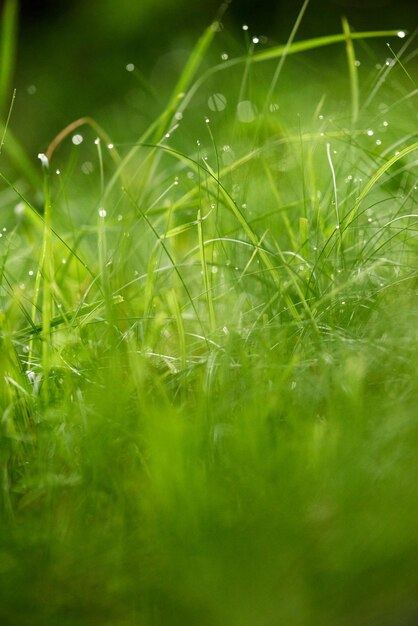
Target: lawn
[209, 344]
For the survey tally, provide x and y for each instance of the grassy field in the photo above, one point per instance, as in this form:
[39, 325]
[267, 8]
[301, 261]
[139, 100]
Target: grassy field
[209, 346]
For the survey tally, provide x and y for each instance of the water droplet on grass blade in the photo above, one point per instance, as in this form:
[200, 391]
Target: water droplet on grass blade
[130, 67]
[77, 139]
[217, 26]
[102, 212]
[401, 34]
[44, 160]
[224, 56]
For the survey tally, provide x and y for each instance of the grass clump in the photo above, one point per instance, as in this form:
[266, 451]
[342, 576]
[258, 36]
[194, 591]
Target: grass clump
[209, 349]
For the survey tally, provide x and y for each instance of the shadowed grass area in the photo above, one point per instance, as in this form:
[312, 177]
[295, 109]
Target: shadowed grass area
[209, 346]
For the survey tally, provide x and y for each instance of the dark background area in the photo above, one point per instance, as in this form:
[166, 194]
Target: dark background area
[273, 16]
[73, 53]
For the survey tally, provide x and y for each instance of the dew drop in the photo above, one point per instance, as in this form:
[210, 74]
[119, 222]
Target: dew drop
[130, 67]
[246, 111]
[30, 272]
[217, 27]
[378, 142]
[274, 107]
[87, 168]
[44, 160]
[77, 139]
[385, 123]
[401, 34]
[102, 212]
[244, 27]
[224, 56]
[217, 102]
[110, 146]
[256, 40]
[31, 90]
[370, 132]
[179, 115]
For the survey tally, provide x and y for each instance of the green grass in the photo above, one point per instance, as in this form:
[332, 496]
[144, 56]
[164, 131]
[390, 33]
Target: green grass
[209, 350]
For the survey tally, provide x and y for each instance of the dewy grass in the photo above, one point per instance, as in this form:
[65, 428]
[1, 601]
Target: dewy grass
[208, 392]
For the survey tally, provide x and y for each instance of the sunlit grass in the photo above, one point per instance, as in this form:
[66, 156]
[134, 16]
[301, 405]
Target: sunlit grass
[209, 347]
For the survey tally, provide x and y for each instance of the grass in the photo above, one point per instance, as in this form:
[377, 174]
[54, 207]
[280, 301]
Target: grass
[209, 350]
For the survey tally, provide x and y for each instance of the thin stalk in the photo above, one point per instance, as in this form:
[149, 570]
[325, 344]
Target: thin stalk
[352, 69]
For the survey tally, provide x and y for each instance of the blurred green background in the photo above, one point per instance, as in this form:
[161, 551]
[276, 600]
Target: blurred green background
[73, 53]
